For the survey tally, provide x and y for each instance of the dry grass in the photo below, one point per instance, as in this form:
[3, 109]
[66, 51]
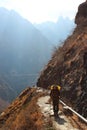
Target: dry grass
[28, 118]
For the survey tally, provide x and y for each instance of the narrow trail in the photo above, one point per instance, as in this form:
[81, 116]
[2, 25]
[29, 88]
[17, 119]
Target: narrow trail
[61, 123]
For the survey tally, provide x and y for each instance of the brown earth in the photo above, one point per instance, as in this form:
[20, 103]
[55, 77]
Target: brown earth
[23, 113]
[66, 66]
[32, 111]
[66, 69]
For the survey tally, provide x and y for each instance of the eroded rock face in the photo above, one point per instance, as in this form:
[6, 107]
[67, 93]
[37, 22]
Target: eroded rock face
[81, 16]
[66, 68]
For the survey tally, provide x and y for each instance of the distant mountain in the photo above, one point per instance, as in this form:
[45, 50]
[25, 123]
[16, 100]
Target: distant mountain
[3, 104]
[58, 31]
[7, 94]
[6, 91]
[23, 50]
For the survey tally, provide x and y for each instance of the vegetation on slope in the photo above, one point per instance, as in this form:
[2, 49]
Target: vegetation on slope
[23, 113]
[66, 68]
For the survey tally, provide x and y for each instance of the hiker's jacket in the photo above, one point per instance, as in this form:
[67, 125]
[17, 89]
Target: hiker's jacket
[55, 93]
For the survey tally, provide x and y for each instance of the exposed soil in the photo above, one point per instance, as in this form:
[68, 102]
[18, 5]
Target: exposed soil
[68, 68]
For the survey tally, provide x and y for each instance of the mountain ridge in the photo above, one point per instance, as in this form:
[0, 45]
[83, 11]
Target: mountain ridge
[57, 31]
[65, 68]
[22, 52]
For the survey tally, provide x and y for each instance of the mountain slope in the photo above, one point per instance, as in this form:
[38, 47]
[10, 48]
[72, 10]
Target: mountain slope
[23, 113]
[23, 50]
[66, 67]
[32, 111]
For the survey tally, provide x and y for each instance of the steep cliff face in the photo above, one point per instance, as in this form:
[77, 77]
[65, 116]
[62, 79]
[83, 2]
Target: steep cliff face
[66, 66]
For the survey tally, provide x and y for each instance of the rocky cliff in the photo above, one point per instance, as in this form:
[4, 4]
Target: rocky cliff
[66, 66]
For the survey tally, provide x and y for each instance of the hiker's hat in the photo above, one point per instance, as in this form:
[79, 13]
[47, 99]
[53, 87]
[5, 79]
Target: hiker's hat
[55, 86]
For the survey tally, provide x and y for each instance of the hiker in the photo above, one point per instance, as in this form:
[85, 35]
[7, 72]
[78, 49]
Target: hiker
[55, 94]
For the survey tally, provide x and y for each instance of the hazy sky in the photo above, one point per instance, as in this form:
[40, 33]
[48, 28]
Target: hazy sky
[38, 11]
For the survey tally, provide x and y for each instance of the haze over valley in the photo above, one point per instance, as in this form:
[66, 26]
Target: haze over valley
[25, 49]
[35, 57]
[58, 31]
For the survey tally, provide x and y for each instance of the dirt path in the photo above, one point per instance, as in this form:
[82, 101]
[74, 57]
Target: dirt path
[61, 123]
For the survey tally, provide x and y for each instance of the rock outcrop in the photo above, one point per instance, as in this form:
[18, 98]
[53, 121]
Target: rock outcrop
[66, 66]
[81, 16]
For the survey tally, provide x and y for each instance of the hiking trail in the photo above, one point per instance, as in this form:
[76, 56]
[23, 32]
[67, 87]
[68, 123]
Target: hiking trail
[60, 123]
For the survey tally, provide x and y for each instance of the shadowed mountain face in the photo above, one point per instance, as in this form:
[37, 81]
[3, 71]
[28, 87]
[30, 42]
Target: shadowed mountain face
[23, 50]
[81, 14]
[66, 68]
